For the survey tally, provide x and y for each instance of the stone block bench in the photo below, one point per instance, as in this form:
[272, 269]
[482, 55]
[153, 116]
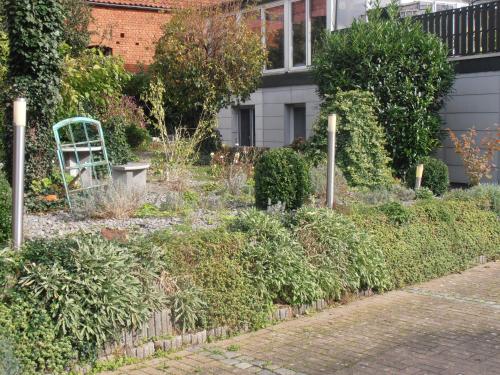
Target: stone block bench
[131, 174]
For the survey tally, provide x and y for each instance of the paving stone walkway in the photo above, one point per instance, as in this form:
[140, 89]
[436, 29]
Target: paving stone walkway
[447, 326]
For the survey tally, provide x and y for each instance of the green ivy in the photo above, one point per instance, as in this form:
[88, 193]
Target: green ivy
[35, 34]
[361, 140]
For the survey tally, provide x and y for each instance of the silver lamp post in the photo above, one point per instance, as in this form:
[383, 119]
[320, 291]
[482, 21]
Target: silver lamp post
[330, 191]
[18, 172]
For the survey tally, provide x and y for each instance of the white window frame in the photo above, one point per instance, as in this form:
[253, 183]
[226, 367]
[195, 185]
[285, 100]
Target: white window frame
[308, 37]
[286, 7]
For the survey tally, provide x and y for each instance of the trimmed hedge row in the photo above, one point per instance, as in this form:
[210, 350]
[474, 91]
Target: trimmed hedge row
[435, 239]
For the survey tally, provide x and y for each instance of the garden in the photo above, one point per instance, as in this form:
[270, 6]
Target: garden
[223, 236]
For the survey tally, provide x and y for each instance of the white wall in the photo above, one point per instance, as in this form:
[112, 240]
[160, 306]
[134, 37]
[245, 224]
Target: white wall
[270, 114]
[474, 102]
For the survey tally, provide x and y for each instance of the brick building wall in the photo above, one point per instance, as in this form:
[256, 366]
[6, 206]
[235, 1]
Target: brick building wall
[130, 33]
[131, 28]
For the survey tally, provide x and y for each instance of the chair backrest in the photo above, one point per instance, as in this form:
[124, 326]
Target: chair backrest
[82, 155]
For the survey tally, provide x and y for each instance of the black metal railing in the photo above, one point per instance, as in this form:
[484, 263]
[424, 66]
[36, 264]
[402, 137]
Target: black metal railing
[471, 30]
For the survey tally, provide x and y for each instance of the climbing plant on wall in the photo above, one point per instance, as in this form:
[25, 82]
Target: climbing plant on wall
[34, 28]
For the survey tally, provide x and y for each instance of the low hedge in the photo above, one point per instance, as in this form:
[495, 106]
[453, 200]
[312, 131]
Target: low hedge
[436, 238]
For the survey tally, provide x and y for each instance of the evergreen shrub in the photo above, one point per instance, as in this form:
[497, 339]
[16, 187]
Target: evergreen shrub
[281, 176]
[435, 177]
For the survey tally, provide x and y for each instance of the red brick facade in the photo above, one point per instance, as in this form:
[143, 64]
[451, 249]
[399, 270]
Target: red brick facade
[131, 28]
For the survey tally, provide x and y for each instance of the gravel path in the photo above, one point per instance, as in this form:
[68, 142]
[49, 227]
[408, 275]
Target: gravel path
[62, 223]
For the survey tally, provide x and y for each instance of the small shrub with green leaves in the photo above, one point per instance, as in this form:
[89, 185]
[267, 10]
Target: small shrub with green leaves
[92, 288]
[486, 196]
[384, 194]
[188, 307]
[424, 193]
[211, 258]
[30, 341]
[274, 261]
[281, 176]
[5, 209]
[435, 177]
[344, 257]
[361, 153]
[396, 213]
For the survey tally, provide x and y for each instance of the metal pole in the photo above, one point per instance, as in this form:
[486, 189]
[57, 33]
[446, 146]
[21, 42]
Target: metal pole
[418, 177]
[330, 190]
[18, 172]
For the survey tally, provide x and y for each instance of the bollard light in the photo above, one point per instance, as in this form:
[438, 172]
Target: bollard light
[330, 189]
[18, 172]
[419, 175]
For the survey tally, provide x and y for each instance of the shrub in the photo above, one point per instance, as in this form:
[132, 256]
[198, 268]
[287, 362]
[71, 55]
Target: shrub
[34, 72]
[31, 339]
[435, 177]
[210, 259]
[275, 262]
[361, 141]
[440, 237]
[5, 209]
[344, 256]
[137, 136]
[319, 178]
[485, 196]
[281, 176]
[221, 62]
[384, 194]
[396, 213]
[406, 69]
[424, 193]
[93, 289]
[477, 164]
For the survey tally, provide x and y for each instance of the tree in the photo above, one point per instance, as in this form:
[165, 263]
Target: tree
[407, 70]
[207, 59]
[77, 17]
[34, 28]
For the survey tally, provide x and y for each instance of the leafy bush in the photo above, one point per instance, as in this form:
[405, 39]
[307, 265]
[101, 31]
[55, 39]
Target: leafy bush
[275, 262]
[137, 136]
[440, 237]
[281, 176]
[435, 177]
[319, 178]
[384, 194]
[31, 340]
[344, 256]
[207, 66]
[210, 259]
[92, 85]
[188, 307]
[396, 213]
[5, 209]
[424, 193]
[92, 288]
[486, 196]
[361, 141]
[406, 69]
[35, 36]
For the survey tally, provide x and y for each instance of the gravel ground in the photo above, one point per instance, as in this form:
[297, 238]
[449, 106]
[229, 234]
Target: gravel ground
[62, 223]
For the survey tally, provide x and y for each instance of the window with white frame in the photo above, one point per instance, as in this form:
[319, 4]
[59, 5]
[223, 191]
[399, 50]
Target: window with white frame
[291, 29]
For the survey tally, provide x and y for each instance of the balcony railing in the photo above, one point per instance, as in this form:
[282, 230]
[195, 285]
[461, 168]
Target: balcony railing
[471, 30]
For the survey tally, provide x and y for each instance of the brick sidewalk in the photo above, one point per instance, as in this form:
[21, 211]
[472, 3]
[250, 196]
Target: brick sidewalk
[447, 326]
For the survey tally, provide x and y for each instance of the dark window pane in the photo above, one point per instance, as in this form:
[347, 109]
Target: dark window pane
[275, 37]
[299, 123]
[348, 11]
[318, 21]
[299, 32]
[247, 127]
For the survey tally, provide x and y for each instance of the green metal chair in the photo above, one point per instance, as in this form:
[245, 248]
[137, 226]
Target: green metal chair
[82, 155]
